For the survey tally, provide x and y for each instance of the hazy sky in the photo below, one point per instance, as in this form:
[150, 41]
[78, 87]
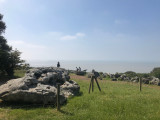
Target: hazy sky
[119, 30]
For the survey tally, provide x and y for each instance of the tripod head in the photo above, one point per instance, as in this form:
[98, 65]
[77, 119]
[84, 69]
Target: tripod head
[95, 74]
[94, 77]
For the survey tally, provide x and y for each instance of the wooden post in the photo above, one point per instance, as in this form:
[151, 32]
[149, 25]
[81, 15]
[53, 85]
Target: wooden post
[140, 84]
[58, 96]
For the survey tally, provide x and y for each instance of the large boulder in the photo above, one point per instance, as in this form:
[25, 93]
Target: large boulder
[117, 75]
[155, 81]
[81, 73]
[39, 85]
[122, 77]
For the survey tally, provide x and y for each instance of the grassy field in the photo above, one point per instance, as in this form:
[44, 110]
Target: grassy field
[116, 101]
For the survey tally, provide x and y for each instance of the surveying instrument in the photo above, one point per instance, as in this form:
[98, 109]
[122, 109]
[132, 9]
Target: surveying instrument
[94, 77]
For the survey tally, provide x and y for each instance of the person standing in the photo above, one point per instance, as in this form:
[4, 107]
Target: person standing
[58, 64]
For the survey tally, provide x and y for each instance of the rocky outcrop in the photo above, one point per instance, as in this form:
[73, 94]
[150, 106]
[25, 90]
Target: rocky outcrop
[39, 85]
[155, 81]
[135, 79]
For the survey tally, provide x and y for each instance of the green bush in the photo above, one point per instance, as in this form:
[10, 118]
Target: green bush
[143, 75]
[156, 72]
[131, 74]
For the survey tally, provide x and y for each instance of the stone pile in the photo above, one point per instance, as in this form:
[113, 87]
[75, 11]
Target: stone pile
[123, 77]
[39, 85]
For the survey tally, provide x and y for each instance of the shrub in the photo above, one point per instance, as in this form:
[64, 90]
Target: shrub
[130, 74]
[156, 72]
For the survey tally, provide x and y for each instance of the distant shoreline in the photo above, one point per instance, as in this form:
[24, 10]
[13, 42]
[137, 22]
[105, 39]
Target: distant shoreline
[101, 66]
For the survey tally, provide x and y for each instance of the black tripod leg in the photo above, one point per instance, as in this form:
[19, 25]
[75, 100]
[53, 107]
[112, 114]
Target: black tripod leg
[97, 84]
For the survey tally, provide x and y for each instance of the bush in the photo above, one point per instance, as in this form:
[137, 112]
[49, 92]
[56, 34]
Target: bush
[156, 72]
[143, 75]
[130, 74]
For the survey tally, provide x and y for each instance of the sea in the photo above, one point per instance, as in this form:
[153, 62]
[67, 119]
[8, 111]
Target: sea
[100, 66]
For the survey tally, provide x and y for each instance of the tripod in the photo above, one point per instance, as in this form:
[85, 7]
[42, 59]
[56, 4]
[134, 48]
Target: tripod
[92, 83]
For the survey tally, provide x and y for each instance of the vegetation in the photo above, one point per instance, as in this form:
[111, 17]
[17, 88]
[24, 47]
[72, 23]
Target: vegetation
[19, 73]
[130, 74]
[156, 72]
[143, 75]
[117, 101]
[134, 74]
[9, 58]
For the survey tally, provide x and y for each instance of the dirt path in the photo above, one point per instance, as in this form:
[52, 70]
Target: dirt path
[78, 77]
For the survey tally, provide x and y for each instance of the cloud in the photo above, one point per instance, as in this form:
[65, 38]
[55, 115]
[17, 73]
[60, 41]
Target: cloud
[29, 50]
[44, 46]
[68, 37]
[18, 43]
[72, 37]
[80, 34]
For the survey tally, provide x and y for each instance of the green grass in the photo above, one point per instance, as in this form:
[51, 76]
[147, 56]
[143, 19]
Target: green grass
[117, 101]
[19, 73]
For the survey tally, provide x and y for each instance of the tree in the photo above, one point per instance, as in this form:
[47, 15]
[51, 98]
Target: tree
[9, 59]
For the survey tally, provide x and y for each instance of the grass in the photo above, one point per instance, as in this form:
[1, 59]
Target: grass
[19, 73]
[116, 101]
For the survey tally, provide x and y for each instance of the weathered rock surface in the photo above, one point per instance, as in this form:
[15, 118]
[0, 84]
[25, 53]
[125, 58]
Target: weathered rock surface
[155, 81]
[39, 86]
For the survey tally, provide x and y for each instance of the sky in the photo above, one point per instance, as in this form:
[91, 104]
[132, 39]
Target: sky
[110, 30]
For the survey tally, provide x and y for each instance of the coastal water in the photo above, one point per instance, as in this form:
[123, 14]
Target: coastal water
[101, 66]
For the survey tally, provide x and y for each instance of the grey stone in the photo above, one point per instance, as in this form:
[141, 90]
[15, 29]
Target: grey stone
[134, 79]
[145, 80]
[39, 85]
[155, 81]
[70, 88]
[114, 79]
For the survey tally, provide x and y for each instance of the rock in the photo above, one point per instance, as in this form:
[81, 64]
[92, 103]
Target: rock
[81, 73]
[89, 75]
[104, 75]
[111, 76]
[127, 79]
[43, 80]
[39, 85]
[122, 77]
[114, 79]
[135, 79]
[117, 75]
[70, 88]
[155, 81]
[145, 80]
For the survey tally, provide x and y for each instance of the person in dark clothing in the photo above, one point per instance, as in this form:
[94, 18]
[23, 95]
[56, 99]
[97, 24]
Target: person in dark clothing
[58, 64]
[77, 69]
